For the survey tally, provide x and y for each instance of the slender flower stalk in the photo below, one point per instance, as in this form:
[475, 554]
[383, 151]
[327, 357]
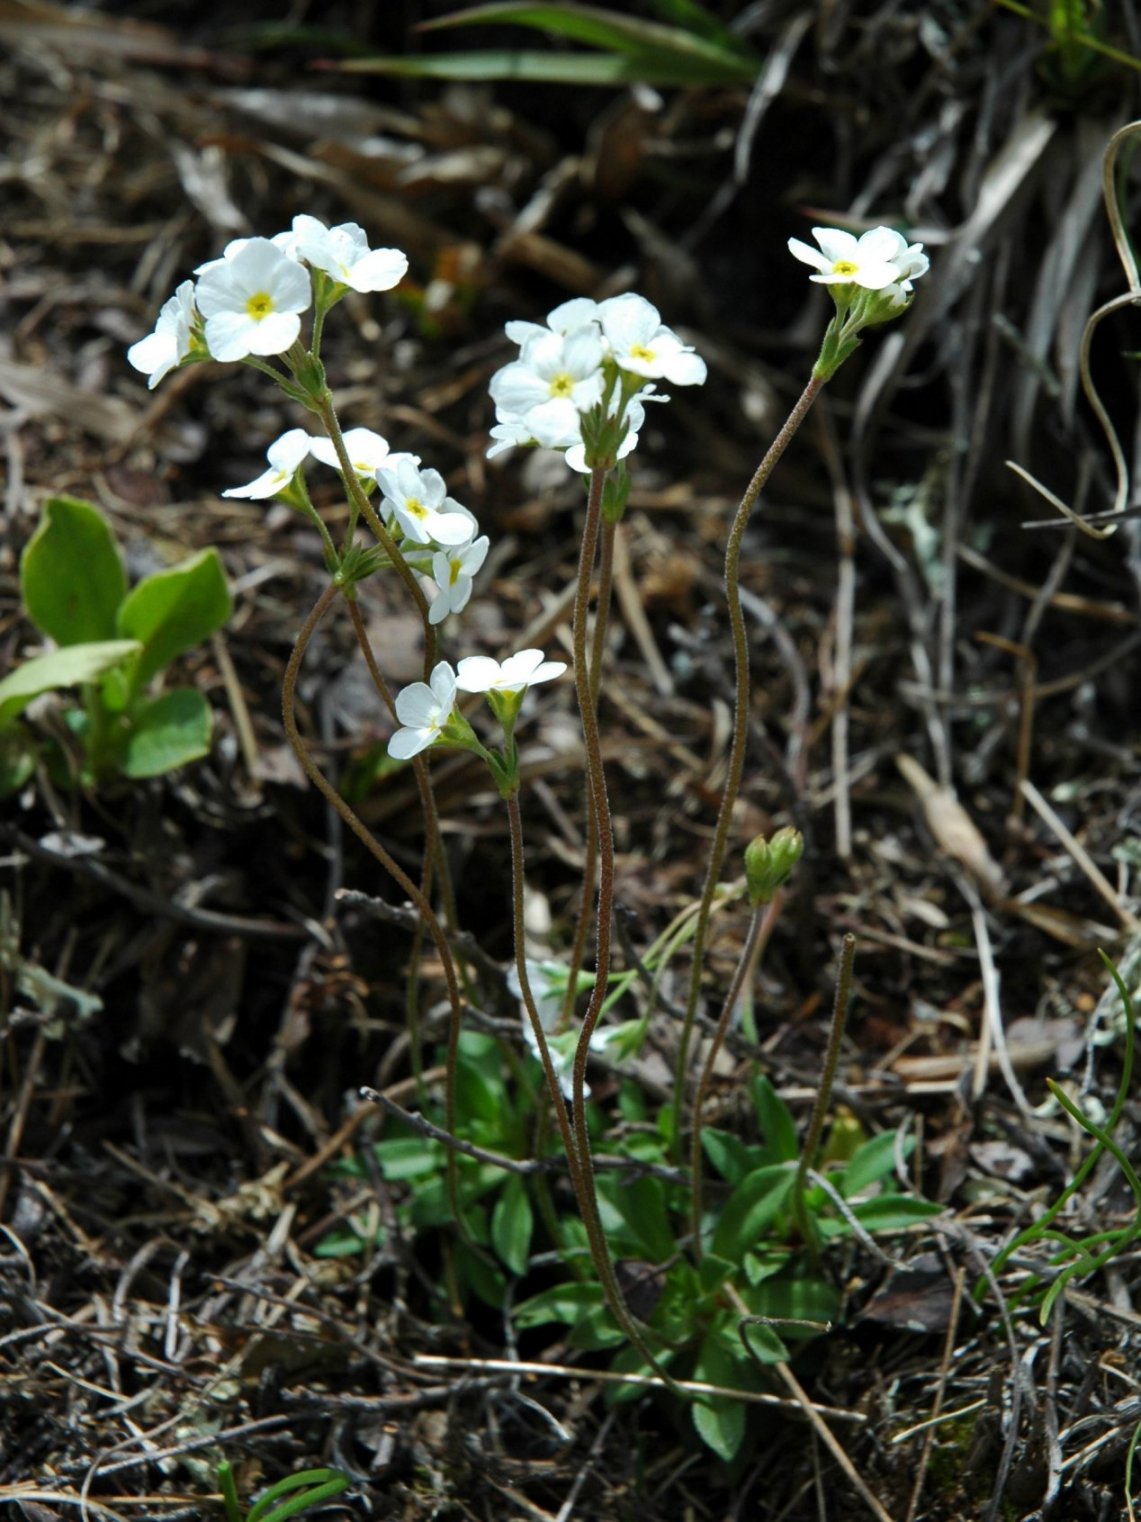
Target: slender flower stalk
[368, 512]
[824, 1092]
[740, 730]
[390, 865]
[760, 930]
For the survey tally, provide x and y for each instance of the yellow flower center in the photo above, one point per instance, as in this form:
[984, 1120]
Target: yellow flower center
[414, 506]
[844, 267]
[639, 351]
[259, 305]
[562, 385]
[453, 572]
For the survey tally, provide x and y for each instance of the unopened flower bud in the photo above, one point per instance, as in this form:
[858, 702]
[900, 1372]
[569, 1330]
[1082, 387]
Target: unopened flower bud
[769, 863]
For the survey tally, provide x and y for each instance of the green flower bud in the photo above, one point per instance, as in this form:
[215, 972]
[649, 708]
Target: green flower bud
[769, 863]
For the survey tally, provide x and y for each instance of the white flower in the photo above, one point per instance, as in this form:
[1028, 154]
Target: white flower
[507, 433]
[642, 345]
[343, 252]
[419, 502]
[556, 378]
[873, 261]
[284, 455]
[479, 673]
[423, 709]
[367, 451]
[453, 569]
[912, 263]
[576, 313]
[250, 300]
[159, 352]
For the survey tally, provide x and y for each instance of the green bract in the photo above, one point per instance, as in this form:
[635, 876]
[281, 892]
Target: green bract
[112, 644]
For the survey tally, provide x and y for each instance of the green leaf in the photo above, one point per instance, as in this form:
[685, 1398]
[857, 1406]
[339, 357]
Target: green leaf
[719, 1419]
[872, 1162]
[713, 1271]
[793, 1298]
[318, 1484]
[341, 1243]
[408, 1157]
[478, 1273]
[18, 756]
[512, 1222]
[775, 1120]
[175, 610]
[71, 577]
[601, 69]
[597, 1329]
[167, 732]
[565, 1303]
[752, 1207]
[635, 1217]
[630, 1361]
[894, 1212]
[69, 667]
[612, 31]
[732, 1157]
[764, 1342]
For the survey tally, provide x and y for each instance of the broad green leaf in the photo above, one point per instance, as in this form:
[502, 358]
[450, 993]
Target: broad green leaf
[750, 1210]
[713, 1271]
[872, 1162]
[483, 1277]
[732, 1157]
[775, 1120]
[635, 1217]
[719, 1419]
[175, 610]
[893, 1212]
[71, 577]
[69, 667]
[430, 1205]
[630, 1361]
[167, 732]
[596, 1329]
[565, 1303]
[512, 1222]
[764, 1342]
[785, 1298]
[409, 1157]
[601, 69]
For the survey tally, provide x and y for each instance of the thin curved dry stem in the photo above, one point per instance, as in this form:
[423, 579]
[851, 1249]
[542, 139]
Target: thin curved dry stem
[740, 730]
[1113, 204]
[390, 865]
[1131, 298]
[760, 929]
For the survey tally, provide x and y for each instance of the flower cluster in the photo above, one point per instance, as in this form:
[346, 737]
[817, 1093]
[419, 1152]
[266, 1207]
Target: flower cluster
[250, 301]
[879, 260]
[592, 357]
[427, 710]
[414, 504]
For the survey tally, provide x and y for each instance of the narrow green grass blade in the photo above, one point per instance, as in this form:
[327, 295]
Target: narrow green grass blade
[600, 69]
